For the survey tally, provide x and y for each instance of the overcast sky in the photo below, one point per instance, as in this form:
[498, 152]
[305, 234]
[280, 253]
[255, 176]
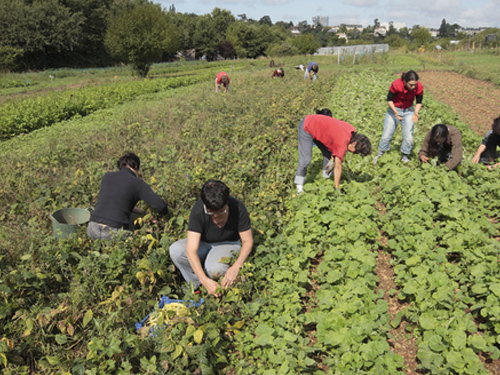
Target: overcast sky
[429, 13]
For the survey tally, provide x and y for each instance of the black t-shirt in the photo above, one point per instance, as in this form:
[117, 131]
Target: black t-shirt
[238, 221]
[120, 192]
[491, 139]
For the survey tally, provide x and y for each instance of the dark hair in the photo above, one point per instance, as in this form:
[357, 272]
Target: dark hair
[214, 194]
[363, 144]
[496, 125]
[315, 68]
[409, 76]
[437, 131]
[324, 112]
[129, 159]
[282, 72]
[224, 80]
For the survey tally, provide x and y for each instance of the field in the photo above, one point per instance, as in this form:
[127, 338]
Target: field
[395, 273]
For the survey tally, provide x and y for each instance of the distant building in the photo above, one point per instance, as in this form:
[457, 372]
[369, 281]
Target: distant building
[295, 30]
[333, 29]
[397, 25]
[321, 20]
[380, 31]
[434, 32]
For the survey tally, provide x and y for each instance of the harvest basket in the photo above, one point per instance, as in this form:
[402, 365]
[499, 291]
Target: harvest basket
[66, 220]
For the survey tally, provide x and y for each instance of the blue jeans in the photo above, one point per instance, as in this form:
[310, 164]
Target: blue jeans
[210, 255]
[308, 71]
[390, 125]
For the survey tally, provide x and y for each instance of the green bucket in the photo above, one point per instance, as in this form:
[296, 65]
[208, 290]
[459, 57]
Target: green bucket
[66, 220]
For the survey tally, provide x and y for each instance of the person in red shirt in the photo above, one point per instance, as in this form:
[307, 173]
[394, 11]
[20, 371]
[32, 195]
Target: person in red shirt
[279, 73]
[334, 138]
[222, 79]
[402, 93]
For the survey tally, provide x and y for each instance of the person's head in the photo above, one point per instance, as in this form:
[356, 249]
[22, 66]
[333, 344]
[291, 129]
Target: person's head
[439, 134]
[315, 68]
[324, 112]
[129, 159]
[360, 144]
[410, 79]
[282, 72]
[215, 195]
[495, 127]
[224, 80]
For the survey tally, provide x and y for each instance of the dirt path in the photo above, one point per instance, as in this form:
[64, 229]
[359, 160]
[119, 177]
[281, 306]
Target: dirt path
[476, 102]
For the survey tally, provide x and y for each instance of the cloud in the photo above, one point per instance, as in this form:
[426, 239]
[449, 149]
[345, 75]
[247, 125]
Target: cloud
[361, 3]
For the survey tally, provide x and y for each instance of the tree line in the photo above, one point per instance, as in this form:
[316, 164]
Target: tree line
[41, 34]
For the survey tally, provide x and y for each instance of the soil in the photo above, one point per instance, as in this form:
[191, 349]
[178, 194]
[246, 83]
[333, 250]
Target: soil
[476, 102]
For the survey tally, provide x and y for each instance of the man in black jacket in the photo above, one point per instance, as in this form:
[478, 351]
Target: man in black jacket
[120, 191]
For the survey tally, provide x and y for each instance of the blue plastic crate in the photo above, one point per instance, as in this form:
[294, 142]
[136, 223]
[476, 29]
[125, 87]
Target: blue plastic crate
[166, 301]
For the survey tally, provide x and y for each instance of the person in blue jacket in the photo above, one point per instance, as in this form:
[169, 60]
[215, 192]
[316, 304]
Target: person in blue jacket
[311, 71]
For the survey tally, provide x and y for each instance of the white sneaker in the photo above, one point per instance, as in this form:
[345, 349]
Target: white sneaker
[326, 174]
[405, 159]
[300, 188]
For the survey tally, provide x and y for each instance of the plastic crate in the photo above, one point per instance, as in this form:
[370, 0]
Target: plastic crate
[165, 301]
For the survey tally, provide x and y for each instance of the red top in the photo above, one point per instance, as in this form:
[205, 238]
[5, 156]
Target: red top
[403, 97]
[220, 75]
[334, 134]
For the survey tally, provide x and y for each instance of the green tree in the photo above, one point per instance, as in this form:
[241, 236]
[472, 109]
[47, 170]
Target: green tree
[421, 36]
[139, 35]
[306, 44]
[249, 39]
[41, 30]
[206, 38]
[282, 49]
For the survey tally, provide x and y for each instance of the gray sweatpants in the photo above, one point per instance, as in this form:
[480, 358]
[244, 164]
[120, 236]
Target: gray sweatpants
[306, 142]
[209, 253]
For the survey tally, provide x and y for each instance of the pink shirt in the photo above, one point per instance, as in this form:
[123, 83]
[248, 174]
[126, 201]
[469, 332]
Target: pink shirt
[334, 134]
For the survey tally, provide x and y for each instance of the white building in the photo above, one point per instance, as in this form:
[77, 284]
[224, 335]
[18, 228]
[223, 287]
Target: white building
[321, 20]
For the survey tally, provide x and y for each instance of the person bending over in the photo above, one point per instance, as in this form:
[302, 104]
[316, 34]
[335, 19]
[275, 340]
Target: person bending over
[445, 142]
[487, 150]
[334, 138]
[119, 193]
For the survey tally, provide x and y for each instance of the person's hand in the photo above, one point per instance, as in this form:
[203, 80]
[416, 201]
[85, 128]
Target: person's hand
[415, 117]
[494, 166]
[475, 159]
[211, 287]
[230, 276]
[424, 159]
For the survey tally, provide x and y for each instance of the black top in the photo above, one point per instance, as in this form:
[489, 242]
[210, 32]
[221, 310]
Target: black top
[238, 221]
[120, 192]
[491, 139]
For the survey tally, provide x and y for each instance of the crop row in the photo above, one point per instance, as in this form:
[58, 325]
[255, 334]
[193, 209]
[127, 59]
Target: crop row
[31, 114]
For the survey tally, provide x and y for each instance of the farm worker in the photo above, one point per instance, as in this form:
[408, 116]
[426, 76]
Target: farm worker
[311, 71]
[487, 150]
[334, 138]
[402, 93]
[222, 79]
[279, 73]
[219, 227]
[445, 142]
[120, 191]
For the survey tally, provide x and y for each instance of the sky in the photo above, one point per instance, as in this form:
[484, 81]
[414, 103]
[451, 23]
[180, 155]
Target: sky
[428, 13]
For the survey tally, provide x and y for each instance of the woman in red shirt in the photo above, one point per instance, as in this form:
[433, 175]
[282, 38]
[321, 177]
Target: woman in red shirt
[334, 138]
[402, 93]
[222, 79]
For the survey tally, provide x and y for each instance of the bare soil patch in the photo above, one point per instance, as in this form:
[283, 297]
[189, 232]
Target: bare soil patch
[476, 102]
